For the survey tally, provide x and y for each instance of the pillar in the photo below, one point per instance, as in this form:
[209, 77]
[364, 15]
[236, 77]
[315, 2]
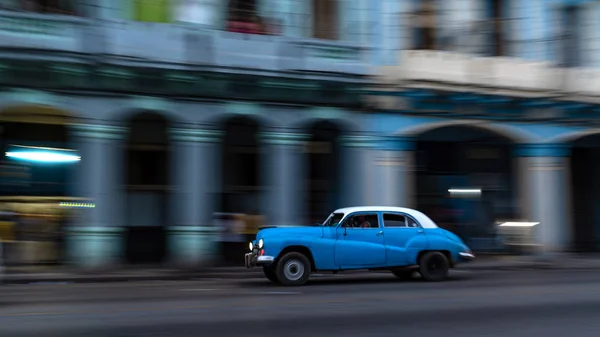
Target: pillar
[195, 165]
[356, 168]
[394, 172]
[95, 238]
[284, 174]
[545, 173]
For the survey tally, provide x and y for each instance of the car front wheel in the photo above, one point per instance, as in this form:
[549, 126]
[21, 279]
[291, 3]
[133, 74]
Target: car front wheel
[293, 269]
[434, 266]
[270, 274]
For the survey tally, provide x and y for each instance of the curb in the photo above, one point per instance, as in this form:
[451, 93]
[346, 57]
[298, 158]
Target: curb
[42, 279]
[243, 273]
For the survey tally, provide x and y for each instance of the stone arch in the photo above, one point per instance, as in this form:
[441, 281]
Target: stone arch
[506, 131]
[37, 114]
[26, 104]
[220, 120]
[465, 155]
[219, 114]
[570, 137]
[344, 124]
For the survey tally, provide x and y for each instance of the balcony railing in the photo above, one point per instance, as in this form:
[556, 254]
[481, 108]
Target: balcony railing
[171, 45]
[449, 68]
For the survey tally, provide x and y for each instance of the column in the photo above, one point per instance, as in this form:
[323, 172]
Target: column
[194, 169]
[358, 186]
[284, 174]
[393, 170]
[95, 239]
[545, 173]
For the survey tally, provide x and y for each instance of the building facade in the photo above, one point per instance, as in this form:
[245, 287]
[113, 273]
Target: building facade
[285, 110]
[178, 113]
[497, 96]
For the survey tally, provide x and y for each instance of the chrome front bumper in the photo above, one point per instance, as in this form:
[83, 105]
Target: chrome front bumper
[466, 256]
[251, 260]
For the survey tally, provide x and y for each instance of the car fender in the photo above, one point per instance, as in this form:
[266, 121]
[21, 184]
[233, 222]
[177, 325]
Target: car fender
[444, 243]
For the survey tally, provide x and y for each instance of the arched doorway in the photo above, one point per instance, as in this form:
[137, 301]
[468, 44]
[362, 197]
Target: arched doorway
[585, 182]
[148, 186]
[323, 170]
[241, 184]
[466, 182]
[37, 178]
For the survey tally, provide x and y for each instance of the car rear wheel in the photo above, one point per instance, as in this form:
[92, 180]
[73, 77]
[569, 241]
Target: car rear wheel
[293, 269]
[434, 266]
[270, 274]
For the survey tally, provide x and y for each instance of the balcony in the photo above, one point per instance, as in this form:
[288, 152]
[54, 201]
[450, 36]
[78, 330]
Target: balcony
[467, 70]
[132, 43]
[182, 44]
[56, 33]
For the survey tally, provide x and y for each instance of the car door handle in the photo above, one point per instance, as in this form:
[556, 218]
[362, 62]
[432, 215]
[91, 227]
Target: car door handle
[379, 233]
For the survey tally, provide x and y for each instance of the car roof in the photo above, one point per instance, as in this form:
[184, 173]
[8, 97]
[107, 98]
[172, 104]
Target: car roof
[423, 219]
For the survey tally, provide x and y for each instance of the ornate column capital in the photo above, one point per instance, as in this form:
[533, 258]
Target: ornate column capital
[98, 131]
[284, 138]
[395, 143]
[196, 135]
[360, 141]
[543, 150]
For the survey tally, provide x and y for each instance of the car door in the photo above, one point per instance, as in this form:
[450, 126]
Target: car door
[359, 242]
[404, 238]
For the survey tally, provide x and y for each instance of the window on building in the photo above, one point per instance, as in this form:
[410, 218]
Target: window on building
[67, 7]
[325, 19]
[496, 28]
[244, 17]
[152, 10]
[201, 12]
[570, 38]
[424, 25]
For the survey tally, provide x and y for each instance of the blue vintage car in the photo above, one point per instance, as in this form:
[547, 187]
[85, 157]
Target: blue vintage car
[397, 239]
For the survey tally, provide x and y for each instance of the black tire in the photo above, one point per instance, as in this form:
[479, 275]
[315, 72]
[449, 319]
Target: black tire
[293, 269]
[434, 266]
[270, 274]
[403, 274]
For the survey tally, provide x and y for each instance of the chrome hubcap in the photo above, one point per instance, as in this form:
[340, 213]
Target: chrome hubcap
[293, 270]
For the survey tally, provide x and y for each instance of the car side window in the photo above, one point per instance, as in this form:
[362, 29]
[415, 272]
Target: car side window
[410, 222]
[362, 220]
[394, 220]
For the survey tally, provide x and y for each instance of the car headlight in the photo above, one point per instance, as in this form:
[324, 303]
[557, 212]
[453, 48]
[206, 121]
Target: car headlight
[260, 243]
[251, 246]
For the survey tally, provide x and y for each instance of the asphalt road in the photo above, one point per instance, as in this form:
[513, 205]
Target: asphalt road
[518, 303]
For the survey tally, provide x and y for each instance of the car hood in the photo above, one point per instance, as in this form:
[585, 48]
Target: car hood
[289, 231]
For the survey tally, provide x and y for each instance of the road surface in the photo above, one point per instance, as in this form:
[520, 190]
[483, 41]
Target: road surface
[517, 303]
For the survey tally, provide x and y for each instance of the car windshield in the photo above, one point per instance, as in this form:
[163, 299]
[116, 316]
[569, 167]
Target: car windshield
[333, 219]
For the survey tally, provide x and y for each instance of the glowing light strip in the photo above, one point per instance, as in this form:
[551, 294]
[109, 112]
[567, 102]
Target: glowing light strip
[519, 224]
[465, 191]
[77, 204]
[43, 156]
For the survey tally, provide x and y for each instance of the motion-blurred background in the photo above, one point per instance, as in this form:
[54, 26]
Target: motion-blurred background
[168, 131]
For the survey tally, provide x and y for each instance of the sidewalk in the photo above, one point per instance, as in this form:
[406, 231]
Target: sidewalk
[64, 275]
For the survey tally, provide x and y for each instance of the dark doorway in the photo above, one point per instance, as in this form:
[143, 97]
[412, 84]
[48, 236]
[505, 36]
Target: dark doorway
[466, 159]
[241, 195]
[148, 185]
[585, 165]
[324, 177]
